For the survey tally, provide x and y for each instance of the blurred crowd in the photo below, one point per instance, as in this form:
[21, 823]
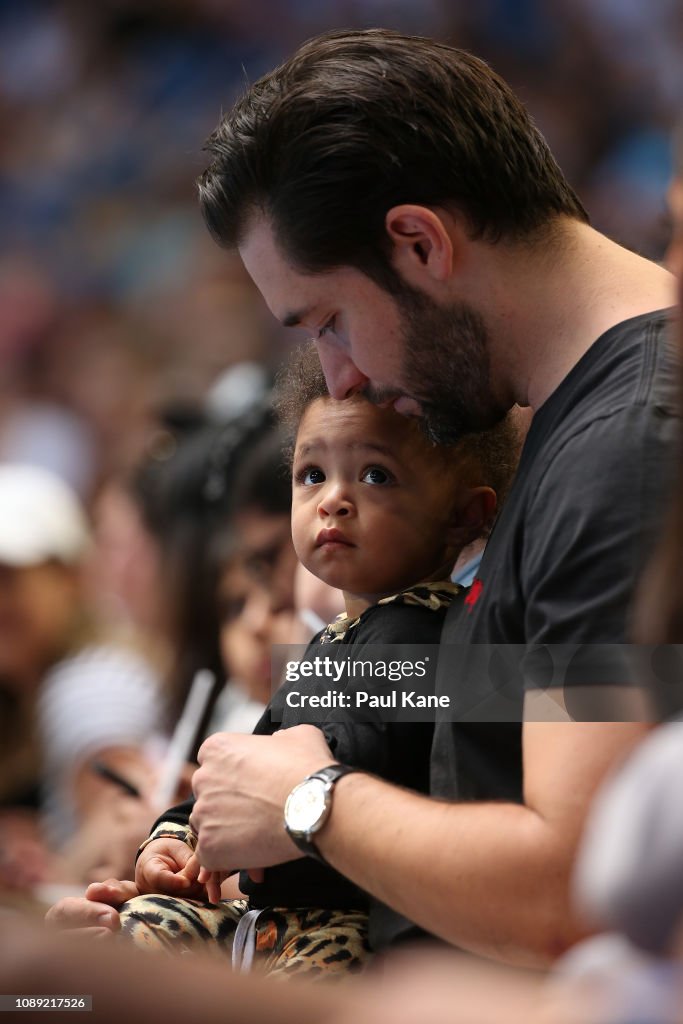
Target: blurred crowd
[113, 300]
[135, 355]
[136, 361]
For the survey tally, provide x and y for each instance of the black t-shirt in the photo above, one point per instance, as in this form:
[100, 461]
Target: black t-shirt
[397, 751]
[563, 560]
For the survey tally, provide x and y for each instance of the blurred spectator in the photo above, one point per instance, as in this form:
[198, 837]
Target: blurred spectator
[256, 586]
[69, 693]
[113, 299]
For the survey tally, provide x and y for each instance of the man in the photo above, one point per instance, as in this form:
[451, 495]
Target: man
[391, 196]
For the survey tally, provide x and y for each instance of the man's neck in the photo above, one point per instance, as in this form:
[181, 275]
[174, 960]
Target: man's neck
[549, 306]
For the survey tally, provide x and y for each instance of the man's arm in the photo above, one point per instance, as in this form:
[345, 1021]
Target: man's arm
[492, 878]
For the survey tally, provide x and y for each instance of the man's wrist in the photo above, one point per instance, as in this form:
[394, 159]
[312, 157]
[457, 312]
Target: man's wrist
[309, 805]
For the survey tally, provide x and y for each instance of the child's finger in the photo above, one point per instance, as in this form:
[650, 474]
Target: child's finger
[192, 869]
[159, 877]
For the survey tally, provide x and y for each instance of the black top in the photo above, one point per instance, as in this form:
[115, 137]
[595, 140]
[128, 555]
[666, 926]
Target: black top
[396, 751]
[563, 560]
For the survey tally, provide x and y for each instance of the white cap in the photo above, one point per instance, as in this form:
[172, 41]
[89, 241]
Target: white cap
[40, 518]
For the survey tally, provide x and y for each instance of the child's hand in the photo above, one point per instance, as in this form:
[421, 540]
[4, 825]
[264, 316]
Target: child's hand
[169, 866]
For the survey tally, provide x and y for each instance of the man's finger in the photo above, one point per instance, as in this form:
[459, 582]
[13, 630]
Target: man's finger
[208, 745]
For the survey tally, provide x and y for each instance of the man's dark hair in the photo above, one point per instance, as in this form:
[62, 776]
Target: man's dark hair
[358, 122]
[487, 458]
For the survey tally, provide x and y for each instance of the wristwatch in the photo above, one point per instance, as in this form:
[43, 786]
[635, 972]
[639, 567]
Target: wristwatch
[309, 804]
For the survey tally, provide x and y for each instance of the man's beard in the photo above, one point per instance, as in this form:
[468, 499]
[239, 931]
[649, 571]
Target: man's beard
[446, 367]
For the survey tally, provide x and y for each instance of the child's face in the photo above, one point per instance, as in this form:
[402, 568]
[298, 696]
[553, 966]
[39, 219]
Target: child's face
[372, 505]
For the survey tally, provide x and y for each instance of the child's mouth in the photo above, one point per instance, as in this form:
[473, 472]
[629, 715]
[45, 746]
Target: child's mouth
[332, 538]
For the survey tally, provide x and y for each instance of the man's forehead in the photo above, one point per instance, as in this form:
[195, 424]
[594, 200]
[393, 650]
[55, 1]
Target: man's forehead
[293, 296]
[274, 276]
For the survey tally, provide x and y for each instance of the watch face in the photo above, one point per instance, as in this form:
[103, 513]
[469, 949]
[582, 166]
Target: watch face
[306, 805]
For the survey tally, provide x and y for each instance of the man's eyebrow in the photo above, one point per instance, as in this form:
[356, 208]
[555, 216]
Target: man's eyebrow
[294, 319]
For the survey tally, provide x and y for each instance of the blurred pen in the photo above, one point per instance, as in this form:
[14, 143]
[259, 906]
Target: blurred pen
[108, 773]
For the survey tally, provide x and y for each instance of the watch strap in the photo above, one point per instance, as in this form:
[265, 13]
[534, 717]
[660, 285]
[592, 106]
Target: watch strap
[330, 775]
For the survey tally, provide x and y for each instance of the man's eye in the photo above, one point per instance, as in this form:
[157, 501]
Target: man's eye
[310, 475]
[375, 475]
[328, 328]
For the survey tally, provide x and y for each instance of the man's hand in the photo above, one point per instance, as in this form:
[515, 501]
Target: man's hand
[241, 788]
[96, 913]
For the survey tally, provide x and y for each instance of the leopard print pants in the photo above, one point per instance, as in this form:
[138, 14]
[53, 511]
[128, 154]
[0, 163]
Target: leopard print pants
[318, 943]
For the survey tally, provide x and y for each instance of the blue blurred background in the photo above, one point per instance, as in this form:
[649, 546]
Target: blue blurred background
[114, 301]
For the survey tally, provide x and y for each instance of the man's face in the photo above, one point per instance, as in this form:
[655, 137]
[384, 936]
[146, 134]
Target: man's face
[424, 359]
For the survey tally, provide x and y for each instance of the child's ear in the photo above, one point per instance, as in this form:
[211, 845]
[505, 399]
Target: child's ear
[473, 517]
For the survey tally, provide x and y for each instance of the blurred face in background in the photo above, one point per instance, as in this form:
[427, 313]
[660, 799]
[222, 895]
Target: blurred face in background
[40, 607]
[256, 600]
[124, 572]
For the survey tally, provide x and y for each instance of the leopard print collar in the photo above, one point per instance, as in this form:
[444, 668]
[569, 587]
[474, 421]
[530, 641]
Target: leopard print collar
[434, 596]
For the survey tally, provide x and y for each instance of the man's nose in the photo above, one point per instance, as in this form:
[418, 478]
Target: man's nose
[342, 376]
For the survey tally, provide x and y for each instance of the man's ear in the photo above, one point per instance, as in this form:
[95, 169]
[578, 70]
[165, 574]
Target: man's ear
[474, 517]
[423, 247]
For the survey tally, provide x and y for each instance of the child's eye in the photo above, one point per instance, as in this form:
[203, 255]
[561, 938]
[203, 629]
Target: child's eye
[376, 475]
[310, 475]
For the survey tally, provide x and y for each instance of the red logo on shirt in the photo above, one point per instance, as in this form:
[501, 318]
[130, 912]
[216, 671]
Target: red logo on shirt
[474, 594]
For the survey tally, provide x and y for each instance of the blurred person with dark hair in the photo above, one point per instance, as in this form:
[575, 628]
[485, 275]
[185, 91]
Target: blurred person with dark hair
[207, 514]
[200, 482]
[256, 606]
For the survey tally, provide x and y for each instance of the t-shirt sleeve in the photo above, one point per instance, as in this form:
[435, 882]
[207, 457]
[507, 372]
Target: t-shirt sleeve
[590, 528]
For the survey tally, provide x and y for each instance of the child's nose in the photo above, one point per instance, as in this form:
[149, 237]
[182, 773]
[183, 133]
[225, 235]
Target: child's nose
[335, 502]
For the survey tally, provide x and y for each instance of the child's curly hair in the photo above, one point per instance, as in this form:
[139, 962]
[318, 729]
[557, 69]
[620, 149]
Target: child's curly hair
[488, 458]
